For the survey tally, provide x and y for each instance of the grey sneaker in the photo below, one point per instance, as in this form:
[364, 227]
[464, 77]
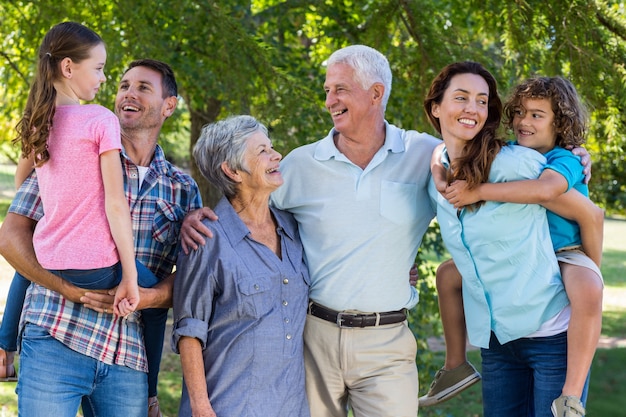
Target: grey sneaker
[567, 406]
[447, 384]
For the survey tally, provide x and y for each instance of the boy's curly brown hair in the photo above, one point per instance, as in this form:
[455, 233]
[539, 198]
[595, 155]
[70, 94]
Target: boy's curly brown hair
[570, 114]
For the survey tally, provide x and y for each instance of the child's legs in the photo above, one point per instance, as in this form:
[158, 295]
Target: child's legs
[12, 313]
[584, 289]
[145, 277]
[449, 288]
[107, 277]
[154, 320]
[92, 279]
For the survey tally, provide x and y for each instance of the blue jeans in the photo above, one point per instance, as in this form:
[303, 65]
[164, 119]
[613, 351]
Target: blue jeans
[54, 379]
[12, 312]
[154, 319]
[523, 377]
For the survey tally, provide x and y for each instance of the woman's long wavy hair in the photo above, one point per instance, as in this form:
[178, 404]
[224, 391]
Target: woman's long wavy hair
[475, 163]
[65, 40]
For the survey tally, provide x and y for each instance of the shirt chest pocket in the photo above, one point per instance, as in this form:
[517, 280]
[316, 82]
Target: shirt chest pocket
[168, 218]
[398, 202]
[255, 293]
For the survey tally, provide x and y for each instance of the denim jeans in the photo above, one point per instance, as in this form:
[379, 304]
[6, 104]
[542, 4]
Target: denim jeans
[521, 378]
[53, 380]
[154, 319]
[12, 312]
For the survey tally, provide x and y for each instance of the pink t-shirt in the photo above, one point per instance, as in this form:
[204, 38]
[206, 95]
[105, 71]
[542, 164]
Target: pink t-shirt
[74, 232]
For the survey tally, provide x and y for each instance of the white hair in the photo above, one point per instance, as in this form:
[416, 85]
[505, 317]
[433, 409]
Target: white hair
[370, 66]
[225, 141]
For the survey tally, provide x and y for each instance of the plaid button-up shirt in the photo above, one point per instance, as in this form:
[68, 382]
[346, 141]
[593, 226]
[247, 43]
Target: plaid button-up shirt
[157, 206]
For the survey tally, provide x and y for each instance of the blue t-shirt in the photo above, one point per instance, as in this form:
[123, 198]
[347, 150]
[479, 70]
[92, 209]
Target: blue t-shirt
[565, 232]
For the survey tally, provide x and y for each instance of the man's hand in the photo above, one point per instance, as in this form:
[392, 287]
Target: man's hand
[413, 275]
[159, 296]
[193, 232]
[99, 300]
[585, 160]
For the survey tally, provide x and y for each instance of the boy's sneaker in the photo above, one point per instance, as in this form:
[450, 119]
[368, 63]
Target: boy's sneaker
[567, 406]
[447, 384]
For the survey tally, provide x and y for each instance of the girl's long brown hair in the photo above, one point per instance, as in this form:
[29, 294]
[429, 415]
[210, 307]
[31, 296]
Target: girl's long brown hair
[475, 163]
[65, 40]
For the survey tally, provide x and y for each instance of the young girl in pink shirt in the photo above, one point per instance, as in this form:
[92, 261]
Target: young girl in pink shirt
[85, 235]
[75, 151]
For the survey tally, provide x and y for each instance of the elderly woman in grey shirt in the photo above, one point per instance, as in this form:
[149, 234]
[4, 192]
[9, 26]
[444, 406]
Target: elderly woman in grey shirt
[240, 300]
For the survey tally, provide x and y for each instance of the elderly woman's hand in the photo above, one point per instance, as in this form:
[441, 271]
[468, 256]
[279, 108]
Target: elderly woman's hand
[192, 232]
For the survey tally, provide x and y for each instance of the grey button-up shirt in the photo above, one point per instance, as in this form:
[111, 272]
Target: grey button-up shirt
[247, 307]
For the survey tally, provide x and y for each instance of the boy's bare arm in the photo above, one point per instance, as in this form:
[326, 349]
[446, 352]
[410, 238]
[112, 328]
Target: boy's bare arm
[590, 218]
[547, 187]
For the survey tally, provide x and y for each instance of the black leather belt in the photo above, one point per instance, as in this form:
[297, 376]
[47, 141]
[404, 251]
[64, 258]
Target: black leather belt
[345, 319]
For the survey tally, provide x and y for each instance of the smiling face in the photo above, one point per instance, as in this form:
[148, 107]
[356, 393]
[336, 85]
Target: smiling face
[463, 109]
[352, 108]
[262, 165]
[139, 103]
[533, 124]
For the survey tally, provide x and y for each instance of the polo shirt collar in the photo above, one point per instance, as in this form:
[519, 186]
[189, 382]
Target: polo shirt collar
[327, 150]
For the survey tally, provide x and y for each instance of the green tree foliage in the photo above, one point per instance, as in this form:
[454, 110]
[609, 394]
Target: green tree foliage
[265, 57]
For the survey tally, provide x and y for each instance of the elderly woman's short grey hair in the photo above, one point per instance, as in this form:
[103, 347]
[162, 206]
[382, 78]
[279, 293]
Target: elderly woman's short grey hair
[225, 141]
[370, 66]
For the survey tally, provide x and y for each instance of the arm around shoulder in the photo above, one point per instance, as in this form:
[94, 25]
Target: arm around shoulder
[193, 231]
[549, 186]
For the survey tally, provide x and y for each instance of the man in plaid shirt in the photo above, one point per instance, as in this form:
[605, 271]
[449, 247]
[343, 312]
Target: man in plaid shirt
[72, 347]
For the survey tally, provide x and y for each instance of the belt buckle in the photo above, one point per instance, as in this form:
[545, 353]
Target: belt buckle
[340, 319]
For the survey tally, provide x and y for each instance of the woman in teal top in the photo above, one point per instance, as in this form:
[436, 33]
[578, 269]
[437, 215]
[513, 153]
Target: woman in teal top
[545, 114]
[514, 299]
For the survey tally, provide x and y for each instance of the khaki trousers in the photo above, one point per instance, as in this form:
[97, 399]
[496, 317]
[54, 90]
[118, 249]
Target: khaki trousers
[371, 370]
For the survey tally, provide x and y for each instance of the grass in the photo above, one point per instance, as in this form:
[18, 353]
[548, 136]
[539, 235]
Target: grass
[607, 395]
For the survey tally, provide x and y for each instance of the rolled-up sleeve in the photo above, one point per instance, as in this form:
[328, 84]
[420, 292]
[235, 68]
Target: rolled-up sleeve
[194, 288]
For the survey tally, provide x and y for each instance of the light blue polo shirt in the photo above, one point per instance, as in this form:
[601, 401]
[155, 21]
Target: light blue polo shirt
[511, 278]
[360, 228]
